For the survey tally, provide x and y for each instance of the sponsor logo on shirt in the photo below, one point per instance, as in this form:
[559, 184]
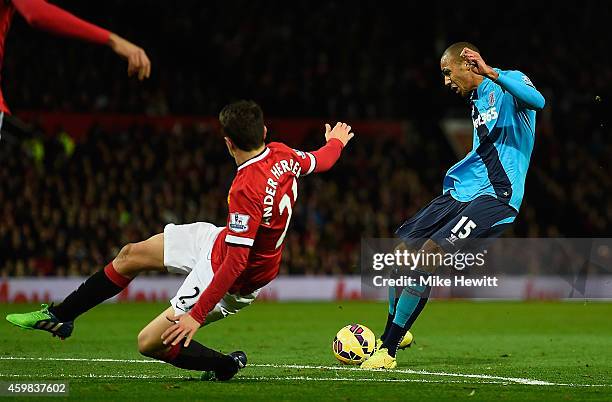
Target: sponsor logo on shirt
[486, 117]
[239, 223]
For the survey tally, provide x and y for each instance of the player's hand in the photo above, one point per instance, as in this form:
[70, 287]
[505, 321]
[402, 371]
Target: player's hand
[138, 62]
[341, 131]
[185, 327]
[477, 64]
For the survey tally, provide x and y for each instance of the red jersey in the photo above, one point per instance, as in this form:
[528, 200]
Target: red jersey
[50, 18]
[260, 205]
[247, 253]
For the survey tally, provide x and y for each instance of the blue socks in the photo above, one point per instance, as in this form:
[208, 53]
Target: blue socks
[405, 311]
[392, 303]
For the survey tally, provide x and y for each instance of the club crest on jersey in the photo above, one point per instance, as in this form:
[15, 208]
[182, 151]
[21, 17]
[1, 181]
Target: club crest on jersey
[492, 99]
[239, 223]
[301, 154]
[527, 81]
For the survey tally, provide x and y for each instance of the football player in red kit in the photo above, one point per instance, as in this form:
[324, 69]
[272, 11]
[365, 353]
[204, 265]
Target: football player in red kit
[225, 266]
[42, 15]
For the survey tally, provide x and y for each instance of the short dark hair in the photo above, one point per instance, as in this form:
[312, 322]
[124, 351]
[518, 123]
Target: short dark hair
[242, 122]
[454, 50]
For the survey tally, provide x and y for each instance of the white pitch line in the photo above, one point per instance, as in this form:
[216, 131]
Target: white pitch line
[290, 378]
[302, 378]
[493, 379]
[120, 376]
[525, 381]
[80, 359]
[517, 380]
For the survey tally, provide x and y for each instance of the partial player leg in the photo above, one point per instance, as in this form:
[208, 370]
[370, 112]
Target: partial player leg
[104, 284]
[484, 218]
[194, 357]
[188, 249]
[408, 307]
[411, 302]
[133, 259]
[414, 232]
[392, 304]
[394, 294]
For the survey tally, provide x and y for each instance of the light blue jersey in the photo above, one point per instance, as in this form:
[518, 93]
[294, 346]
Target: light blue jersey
[503, 113]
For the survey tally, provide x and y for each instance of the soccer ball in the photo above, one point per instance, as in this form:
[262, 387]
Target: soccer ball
[353, 344]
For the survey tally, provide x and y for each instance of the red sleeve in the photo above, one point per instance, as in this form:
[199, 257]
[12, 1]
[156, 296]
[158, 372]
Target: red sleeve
[322, 159]
[47, 17]
[327, 155]
[235, 262]
[245, 213]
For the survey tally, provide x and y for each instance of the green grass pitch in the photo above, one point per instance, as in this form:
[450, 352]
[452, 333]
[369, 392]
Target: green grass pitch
[463, 351]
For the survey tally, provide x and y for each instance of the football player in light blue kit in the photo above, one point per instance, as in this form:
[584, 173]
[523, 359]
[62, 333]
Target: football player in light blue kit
[482, 193]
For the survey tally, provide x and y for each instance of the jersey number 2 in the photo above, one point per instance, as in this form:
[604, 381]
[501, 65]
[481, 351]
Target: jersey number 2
[285, 204]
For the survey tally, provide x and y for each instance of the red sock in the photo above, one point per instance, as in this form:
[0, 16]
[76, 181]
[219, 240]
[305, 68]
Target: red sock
[118, 279]
[172, 353]
[99, 287]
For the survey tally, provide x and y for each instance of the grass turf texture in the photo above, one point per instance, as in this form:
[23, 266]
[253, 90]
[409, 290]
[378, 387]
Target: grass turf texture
[560, 343]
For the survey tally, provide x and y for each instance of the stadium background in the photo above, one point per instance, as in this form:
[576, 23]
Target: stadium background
[75, 187]
[101, 160]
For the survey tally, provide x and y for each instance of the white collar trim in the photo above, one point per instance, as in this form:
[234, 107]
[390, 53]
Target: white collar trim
[255, 159]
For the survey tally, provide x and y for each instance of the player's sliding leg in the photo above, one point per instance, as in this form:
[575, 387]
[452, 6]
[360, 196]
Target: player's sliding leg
[194, 357]
[409, 305]
[133, 259]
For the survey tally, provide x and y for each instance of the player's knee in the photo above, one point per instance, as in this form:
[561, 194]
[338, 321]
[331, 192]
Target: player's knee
[147, 344]
[135, 258]
[126, 261]
[125, 253]
[431, 247]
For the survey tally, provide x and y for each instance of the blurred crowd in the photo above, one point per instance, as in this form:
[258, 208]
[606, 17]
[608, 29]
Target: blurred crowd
[67, 207]
[333, 58]
[73, 205]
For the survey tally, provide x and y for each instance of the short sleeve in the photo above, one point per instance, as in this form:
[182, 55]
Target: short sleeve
[244, 217]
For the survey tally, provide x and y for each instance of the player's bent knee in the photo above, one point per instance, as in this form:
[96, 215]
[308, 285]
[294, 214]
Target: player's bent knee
[126, 263]
[148, 344]
[137, 257]
[125, 254]
[431, 247]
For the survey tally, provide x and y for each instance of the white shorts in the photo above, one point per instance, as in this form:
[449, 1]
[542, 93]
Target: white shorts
[187, 250]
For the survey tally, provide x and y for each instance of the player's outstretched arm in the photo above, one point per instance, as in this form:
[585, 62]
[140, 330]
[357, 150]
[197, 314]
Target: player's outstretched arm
[337, 138]
[138, 62]
[516, 83]
[48, 17]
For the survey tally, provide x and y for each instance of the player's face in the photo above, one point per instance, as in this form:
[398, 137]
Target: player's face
[456, 78]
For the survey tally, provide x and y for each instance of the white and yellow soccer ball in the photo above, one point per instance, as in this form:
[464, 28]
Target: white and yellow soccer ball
[353, 344]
